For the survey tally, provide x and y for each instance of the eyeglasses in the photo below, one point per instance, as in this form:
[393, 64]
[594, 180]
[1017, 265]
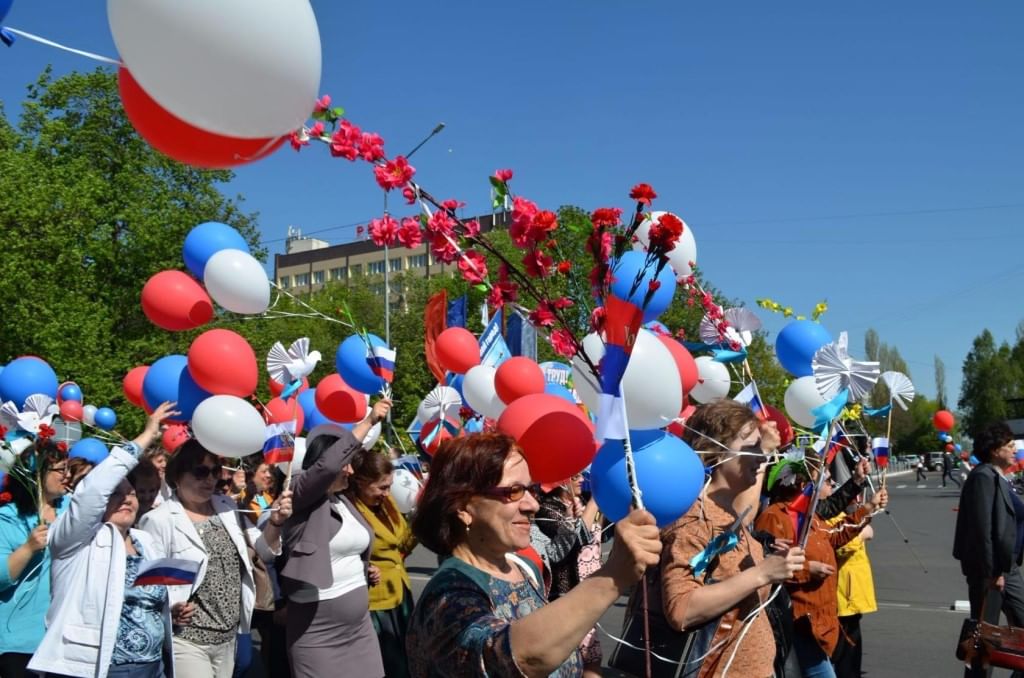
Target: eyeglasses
[59, 469]
[201, 473]
[512, 493]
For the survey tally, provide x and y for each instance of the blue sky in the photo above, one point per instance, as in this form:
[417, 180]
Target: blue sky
[868, 153]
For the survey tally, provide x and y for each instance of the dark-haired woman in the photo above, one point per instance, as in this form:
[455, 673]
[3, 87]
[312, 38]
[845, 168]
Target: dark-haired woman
[327, 549]
[196, 524]
[369, 488]
[24, 560]
[484, 612]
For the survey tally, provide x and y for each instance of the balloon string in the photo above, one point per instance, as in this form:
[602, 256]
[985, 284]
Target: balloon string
[57, 45]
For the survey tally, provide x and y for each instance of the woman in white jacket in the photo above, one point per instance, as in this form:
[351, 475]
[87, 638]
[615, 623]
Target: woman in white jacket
[196, 524]
[98, 624]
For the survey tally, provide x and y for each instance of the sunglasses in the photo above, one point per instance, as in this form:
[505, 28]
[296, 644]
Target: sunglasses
[513, 493]
[201, 473]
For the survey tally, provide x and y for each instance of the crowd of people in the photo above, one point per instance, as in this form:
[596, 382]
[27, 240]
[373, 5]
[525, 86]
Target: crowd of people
[747, 583]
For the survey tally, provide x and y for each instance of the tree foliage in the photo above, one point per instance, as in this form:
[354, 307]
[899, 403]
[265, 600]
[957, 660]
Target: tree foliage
[993, 382]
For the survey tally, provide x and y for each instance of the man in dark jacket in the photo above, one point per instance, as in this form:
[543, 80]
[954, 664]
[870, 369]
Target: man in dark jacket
[987, 534]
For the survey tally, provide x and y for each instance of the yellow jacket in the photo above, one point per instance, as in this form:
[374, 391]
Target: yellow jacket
[856, 586]
[392, 543]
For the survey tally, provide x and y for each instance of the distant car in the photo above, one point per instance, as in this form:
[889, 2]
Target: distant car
[933, 461]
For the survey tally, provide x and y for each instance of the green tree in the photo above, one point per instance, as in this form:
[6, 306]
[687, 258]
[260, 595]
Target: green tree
[940, 382]
[90, 212]
[989, 381]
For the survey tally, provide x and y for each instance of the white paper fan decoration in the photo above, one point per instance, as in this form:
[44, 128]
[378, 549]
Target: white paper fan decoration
[742, 324]
[834, 370]
[293, 364]
[901, 389]
[35, 413]
[9, 414]
[442, 401]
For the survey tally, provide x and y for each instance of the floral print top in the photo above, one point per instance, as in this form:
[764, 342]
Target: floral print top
[140, 633]
[460, 626]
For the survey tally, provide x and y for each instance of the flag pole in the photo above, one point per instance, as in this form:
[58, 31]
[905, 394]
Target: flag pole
[809, 521]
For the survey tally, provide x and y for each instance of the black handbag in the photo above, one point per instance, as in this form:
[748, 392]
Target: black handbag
[684, 650]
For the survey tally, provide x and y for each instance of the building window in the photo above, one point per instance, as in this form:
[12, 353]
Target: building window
[395, 265]
[375, 268]
[416, 261]
[357, 270]
[339, 273]
[302, 280]
[378, 289]
[318, 277]
[285, 281]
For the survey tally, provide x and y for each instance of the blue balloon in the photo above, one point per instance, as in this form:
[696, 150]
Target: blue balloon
[627, 268]
[958, 448]
[313, 417]
[797, 343]
[560, 391]
[5, 7]
[669, 472]
[162, 380]
[71, 392]
[474, 425]
[205, 240]
[353, 366]
[105, 418]
[90, 449]
[190, 394]
[975, 461]
[27, 376]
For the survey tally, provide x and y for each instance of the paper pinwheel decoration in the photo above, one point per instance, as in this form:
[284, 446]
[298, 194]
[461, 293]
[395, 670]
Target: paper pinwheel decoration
[293, 364]
[442, 402]
[742, 325]
[901, 389]
[834, 370]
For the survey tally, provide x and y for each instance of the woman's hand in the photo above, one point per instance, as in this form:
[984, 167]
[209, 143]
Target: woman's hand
[373, 575]
[879, 501]
[37, 538]
[637, 547]
[154, 422]
[282, 508]
[181, 613]
[783, 564]
[820, 570]
[380, 411]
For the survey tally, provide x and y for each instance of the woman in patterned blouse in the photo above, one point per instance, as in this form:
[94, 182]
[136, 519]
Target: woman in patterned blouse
[483, 612]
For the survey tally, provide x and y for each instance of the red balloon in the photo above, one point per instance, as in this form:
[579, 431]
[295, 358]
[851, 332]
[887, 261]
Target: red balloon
[950, 447]
[446, 430]
[174, 436]
[71, 410]
[132, 385]
[279, 411]
[518, 377]
[177, 139]
[556, 439]
[174, 301]
[277, 388]
[457, 350]
[223, 363]
[781, 423]
[943, 420]
[338, 401]
[684, 362]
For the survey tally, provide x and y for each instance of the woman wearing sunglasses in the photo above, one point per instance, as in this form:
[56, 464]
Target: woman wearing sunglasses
[196, 524]
[484, 611]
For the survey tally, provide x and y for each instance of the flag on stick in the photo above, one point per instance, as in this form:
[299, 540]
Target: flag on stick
[621, 326]
[880, 448]
[279, 445]
[168, 572]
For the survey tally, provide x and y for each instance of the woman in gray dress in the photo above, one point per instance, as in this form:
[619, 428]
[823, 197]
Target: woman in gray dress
[327, 549]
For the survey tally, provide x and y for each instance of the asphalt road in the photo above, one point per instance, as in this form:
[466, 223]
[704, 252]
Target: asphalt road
[914, 632]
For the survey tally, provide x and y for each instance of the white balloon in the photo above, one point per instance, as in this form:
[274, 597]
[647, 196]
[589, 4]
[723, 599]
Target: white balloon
[297, 457]
[478, 388]
[442, 401]
[405, 489]
[801, 397]
[239, 68]
[228, 426]
[713, 382]
[89, 414]
[372, 436]
[651, 386]
[237, 282]
[681, 255]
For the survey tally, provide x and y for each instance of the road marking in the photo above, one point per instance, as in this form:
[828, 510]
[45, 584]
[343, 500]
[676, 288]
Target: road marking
[922, 487]
[894, 604]
[961, 606]
[900, 487]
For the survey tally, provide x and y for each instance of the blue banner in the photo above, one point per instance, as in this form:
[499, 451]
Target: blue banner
[493, 349]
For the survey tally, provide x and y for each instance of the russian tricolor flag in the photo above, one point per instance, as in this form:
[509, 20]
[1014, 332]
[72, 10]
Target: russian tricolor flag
[279, 446]
[167, 572]
[799, 507]
[621, 326]
[752, 399]
[382, 362]
[880, 448]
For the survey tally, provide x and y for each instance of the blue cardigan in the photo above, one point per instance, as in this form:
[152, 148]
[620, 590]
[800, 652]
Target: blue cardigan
[23, 601]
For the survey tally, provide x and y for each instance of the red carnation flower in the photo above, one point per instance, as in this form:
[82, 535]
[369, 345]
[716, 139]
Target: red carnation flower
[564, 267]
[409, 234]
[606, 216]
[653, 286]
[563, 343]
[543, 315]
[394, 173]
[473, 267]
[597, 318]
[537, 264]
[384, 232]
[6, 498]
[322, 104]
[345, 140]
[409, 195]
[643, 193]
[664, 234]
[503, 175]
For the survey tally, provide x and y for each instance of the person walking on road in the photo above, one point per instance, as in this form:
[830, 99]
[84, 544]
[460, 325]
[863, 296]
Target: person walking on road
[920, 470]
[988, 536]
[947, 469]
